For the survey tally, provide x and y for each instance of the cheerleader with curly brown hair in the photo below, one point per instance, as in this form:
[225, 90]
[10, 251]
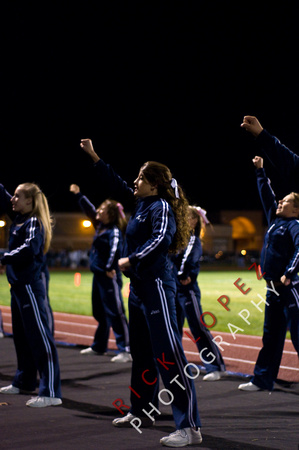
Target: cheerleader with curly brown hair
[157, 227]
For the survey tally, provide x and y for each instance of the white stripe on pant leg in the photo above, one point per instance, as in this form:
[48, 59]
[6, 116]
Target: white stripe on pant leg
[121, 313]
[295, 294]
[195, 304]
[197, 315]
[47, 304]
[175, 350]
[44, 338]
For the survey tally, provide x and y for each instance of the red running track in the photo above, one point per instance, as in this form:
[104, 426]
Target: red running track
[239, 356]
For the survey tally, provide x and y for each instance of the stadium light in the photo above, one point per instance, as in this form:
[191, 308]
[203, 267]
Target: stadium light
[2, 223]
[86, 223]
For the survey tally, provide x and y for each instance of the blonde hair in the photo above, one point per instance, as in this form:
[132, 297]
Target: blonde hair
[40, 209]
[200, 215]
[200, 225]
[295, 197]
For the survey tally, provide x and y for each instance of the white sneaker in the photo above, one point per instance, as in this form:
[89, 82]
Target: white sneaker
[182, 438]
[1, 335]
[125, 421]
[10, 390]
[43, 402]
[89, 351]
[212, 376]
[122, 357]
[249, 387]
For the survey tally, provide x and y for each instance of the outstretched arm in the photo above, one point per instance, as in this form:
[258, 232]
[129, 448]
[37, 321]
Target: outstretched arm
[281, 157]
[267, 195]
[87, 146]
[87, 207]
[110, 182]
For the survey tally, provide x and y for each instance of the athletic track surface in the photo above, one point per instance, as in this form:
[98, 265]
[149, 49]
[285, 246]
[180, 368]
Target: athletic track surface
[239, 356]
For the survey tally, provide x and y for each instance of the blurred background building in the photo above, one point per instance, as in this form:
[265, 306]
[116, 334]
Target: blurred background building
[234, 238]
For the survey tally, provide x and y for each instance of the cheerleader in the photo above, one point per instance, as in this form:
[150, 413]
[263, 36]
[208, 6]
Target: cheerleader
[157, 226]
[109, 222]
[6, 208]
[29, 239]
[279, 265]
[186, 265]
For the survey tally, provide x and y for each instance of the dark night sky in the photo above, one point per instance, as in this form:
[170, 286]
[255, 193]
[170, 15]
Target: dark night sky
[167, 81]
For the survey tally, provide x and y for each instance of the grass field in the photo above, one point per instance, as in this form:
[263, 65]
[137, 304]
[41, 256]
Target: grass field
[66, 297]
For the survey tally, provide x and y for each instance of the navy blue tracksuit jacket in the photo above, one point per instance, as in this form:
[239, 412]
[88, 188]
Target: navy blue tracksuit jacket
[283, 159]
[280, 253]
[154, 335]
[149, 232]
[33, 339]
[188, 303]
[280, 256]
[5, 208]
[107, 301]
[107, 242]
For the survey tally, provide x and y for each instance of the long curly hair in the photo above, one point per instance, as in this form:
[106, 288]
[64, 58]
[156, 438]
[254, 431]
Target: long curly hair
[160, 175]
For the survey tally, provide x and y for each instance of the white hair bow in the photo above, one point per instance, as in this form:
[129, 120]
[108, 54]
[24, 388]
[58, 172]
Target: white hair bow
[203, 213]
[121, 210]
[174, 185]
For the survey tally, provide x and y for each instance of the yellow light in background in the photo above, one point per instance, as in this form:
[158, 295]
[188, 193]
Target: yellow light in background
[2, 223]
[86, 223]
[243, 252]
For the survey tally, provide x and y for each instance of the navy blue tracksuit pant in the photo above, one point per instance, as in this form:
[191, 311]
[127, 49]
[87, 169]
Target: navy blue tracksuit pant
[108, 310]
[282, 311]
[188, 305]
[34, 342]
[156, 348]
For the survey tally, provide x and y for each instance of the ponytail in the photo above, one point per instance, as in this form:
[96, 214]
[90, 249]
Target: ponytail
[40, 209]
